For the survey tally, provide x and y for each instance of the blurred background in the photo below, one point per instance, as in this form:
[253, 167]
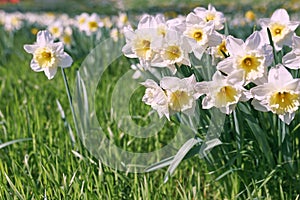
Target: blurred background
[107, 7]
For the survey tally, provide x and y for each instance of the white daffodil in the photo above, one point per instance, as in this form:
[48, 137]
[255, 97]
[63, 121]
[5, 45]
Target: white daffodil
[281, 28]
[13, 21]
[280, 95]
[144, 42]
[219, 50]
[174, 50]
[47, 55]
[156, 98]
[201, 34]
[223, 92]
[92, 24]
[181, 95]
[211, 14]
[252, 56]
[66, 37]
[292, 59]
[56, 29]
[81, 20]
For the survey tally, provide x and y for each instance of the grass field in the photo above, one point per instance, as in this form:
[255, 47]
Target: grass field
[253, 164]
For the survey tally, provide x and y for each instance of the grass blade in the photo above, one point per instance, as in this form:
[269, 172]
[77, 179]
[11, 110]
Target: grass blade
[13, 187]
[13, 141]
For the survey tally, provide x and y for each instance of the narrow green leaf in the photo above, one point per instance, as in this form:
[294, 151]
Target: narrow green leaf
[13, 187]
[186, 147]
[261, 139]
[13, 141]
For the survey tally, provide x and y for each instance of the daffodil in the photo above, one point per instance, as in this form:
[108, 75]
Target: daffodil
[173, 95]
[211, 14]
[144, 42]
[156, 98]
[56, 29]
[280, 95]
[181, 95]
[223, 92]
[47, 54]
[200, 34]
[252, 57]
[173, 50]
[281, 28]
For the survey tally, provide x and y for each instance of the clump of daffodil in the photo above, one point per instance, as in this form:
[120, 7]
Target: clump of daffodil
[280, 95]
[47, 54]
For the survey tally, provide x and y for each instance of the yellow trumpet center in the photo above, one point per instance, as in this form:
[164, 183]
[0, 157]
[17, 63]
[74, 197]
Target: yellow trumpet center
[284, 102]
[45, 57]
[226, 95]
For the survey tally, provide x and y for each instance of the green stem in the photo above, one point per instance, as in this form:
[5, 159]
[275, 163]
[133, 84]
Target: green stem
[238, 134]
[70, 99]
[279, 135]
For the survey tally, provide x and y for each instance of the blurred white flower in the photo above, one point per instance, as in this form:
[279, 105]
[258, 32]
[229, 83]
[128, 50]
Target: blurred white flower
[252, 56]
[211, 14]
[81, 20]
[114, 34]
[292, 59]
[13, 21]
[66, 36]
[223, 92]
[280, 95]
[56, 29]
[47, 55]
[92, 24]
[281, 28]
[122, 20]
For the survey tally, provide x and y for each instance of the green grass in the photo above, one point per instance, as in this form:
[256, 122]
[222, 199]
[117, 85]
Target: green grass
[248, 165]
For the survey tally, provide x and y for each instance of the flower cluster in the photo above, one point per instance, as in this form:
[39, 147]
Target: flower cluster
[247, 70]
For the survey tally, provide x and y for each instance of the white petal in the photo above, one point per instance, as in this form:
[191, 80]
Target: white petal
[202, 87]
[129, 33]
[127, 50]
[35, 66]
[226, 65]
[234, 45]
[259, 92]
[192, 18]
[66, 60]
[170, 83]
[280, 15]
[287, 118]
[150, 83]
[214, 40]
[293, 85]
[253, 41]
[291, 60]
[207, 102]
[264, 22]
[259, 106]
[279, 75]
[30, 48]
[296, 42]
[236, 77]
[50, 72]
[44, 38]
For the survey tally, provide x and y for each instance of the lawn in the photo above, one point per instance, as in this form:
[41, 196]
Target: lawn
[48, 158]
